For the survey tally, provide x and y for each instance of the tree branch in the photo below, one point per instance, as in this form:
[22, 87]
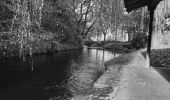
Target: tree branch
[85, 21]
[89, 28]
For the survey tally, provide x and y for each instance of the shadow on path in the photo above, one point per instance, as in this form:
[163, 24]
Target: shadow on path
[165, 72]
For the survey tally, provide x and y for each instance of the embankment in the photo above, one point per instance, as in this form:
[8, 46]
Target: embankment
[115, 46]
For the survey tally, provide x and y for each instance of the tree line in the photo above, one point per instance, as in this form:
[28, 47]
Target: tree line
[24, 24]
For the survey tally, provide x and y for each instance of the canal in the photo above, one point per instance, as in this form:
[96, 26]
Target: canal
[60, 75]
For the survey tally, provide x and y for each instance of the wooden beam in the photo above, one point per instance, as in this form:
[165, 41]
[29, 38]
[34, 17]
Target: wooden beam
[150, 34]
[135, 4]
[131, 5]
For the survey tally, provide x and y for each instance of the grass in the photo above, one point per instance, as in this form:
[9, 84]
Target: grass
[160, 58]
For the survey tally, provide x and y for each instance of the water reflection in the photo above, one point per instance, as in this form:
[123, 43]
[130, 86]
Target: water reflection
[45, 76]
[83, 78]
[100, 55]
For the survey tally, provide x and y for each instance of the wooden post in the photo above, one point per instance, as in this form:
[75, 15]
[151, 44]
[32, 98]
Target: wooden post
[150, 35]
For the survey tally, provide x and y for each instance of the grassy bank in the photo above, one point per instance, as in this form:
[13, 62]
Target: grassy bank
[160, 58]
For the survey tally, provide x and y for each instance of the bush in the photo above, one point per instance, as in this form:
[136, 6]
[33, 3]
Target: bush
[128, 46]
[139, 40]
[116, 47]
[88, 43]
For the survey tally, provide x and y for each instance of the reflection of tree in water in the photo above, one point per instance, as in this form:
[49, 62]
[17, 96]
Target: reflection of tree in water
[83, 78]
[96, 54]
[103, 56]
[84, 75]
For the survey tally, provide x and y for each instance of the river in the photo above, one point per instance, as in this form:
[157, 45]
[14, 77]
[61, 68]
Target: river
[60, 75]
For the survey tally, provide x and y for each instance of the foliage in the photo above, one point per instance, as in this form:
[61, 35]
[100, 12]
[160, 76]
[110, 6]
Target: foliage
[123, 47]
[139, 40]
[34, 26]
[88, 43]
[117, 47]
[109, 17]
[68, 22]
[160, 58]
[135, 22]
[5, 18]
[167, 22]
[60, 22]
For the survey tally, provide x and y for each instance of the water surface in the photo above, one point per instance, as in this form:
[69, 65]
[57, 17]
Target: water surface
[60, 75]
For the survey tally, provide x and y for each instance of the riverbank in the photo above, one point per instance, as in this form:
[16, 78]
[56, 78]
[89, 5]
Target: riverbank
[40, 42]
[38, 48]
[115, 46]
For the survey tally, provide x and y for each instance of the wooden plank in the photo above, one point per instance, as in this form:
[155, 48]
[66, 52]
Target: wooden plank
[135, 4]
[154, 4]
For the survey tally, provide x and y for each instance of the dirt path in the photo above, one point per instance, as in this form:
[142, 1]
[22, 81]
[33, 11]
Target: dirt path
[127, 78]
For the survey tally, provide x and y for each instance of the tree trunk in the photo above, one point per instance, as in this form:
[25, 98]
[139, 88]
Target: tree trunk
[103, 56]
[122, 34]
[104, 37]
[129, 37]
[98, 36]
[116, 34]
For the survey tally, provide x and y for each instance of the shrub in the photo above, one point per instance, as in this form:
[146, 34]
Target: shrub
[88, 43]
[115, 47]
[139, 40]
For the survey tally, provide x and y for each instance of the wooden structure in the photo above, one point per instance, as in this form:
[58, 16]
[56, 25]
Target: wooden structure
[131, 5]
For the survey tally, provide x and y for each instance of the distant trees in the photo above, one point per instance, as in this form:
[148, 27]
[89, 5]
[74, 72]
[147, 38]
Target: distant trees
[112, 16]
[109, 12]
[161, 25]
[86, 14]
